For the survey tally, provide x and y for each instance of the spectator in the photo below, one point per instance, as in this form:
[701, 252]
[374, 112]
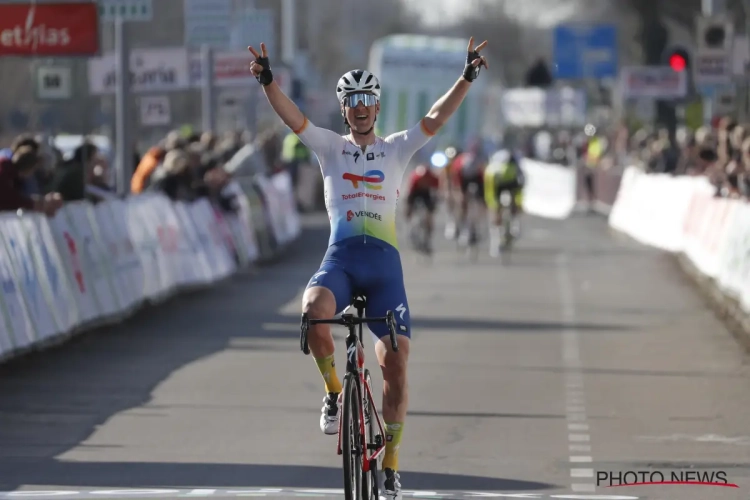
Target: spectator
[13, 171]
[70, 178]
[176, 179]
[152, 159]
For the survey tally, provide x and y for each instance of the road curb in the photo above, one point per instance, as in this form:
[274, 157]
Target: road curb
[726, 308]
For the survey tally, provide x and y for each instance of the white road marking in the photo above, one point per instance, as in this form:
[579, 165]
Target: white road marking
[575, 392]
[291, 492]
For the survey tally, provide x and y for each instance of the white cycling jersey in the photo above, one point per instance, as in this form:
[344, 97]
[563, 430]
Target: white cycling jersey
[362, 186]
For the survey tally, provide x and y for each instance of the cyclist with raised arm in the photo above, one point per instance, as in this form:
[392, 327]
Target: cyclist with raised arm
[362, 176]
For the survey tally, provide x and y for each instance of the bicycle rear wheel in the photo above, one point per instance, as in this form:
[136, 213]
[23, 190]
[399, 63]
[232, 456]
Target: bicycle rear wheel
[351, 442]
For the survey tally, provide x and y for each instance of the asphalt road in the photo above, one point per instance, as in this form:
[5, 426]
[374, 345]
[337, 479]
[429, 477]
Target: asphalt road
[587, 355]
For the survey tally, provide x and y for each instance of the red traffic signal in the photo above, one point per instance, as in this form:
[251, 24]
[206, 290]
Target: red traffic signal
[677, 62]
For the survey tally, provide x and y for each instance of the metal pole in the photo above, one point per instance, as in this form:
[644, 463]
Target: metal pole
[710, 8]
[123, 138]
[208, 89]
[288, 40]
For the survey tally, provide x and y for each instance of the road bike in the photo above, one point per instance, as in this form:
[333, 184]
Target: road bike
[357, 405]
[508, 237]
[469, 237]
[418, 231]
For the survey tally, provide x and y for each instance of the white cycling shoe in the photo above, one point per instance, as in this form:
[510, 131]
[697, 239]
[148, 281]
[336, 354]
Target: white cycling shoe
[329, 420]
[389, 485]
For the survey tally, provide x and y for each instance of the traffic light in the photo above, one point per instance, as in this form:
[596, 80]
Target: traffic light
[678, 59]
[677, 62]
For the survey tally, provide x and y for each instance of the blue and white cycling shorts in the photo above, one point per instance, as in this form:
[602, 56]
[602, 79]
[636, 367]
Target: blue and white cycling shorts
[352, 267]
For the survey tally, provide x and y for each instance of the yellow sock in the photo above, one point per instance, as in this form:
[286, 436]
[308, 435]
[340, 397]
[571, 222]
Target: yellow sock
[392, 444]
[327, 367]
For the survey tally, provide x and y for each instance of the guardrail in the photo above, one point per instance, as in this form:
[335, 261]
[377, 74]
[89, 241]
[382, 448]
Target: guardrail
[96, 264]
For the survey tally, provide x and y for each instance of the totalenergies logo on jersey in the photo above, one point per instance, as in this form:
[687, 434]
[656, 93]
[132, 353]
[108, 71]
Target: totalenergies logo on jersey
[371, 180]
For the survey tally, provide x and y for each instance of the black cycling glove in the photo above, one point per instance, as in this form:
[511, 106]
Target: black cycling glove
[265, 77]
[470, 71]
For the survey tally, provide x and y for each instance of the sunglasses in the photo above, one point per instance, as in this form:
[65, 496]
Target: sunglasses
[352, 100]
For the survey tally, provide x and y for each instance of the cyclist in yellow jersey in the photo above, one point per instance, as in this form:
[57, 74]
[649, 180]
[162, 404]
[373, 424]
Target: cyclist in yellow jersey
[503, 173]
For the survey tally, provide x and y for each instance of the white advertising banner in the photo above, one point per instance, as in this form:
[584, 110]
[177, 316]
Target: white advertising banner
[151, 70]
[656, 82]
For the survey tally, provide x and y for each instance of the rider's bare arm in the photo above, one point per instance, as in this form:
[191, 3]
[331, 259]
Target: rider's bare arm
[289, 113]
[444, 108]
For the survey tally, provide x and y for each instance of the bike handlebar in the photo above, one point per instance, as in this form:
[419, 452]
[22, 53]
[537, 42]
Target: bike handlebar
[348, 320]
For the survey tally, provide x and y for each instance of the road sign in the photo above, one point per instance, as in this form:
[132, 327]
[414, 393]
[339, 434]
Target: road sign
[585, 51]
[155, 110]
[129, 10]
[54, 82]
[253, 26]
[653, 82]
[208, 22]
[713, 59]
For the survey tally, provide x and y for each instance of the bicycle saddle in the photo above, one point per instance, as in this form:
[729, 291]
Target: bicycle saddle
[358, 302]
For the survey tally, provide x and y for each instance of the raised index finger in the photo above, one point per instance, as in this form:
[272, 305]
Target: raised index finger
[263, 49]
[471, 44]
[481, 46]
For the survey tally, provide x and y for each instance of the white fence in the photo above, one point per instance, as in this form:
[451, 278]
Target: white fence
[680, 214]
[91, 264]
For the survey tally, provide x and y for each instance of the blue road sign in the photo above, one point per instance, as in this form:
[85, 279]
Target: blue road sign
[585, 51]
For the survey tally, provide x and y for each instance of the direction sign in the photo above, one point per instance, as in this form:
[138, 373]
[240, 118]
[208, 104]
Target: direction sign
[585, 51]
[653, 82]
[712, 65]
[208, 22]
[54, 82]
[155, 110]
[128, 10]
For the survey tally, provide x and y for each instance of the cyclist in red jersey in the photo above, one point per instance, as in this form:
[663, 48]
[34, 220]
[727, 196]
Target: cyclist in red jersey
[423, 185]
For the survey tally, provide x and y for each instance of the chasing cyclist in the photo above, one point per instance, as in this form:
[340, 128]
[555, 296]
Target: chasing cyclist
[468, 172]
[451, 191]
[503, 173]
[423, 186]
[362, 175]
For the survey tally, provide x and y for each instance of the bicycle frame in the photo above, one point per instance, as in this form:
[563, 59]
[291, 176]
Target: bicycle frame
[355, 364]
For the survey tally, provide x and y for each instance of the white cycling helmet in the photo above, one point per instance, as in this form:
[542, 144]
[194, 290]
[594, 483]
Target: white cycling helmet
[357, 80]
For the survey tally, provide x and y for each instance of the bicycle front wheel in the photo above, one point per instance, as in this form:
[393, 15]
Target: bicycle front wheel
[370, 479]
[351, 441]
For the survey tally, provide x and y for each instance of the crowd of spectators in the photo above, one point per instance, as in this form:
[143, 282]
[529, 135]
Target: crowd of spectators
[35, 175]
[720, 152]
